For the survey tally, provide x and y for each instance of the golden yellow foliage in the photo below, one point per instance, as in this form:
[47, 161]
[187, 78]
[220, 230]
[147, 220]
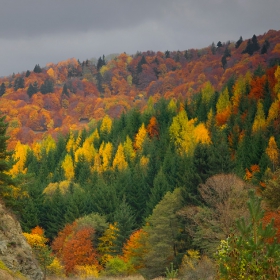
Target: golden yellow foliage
[207, 92]
[107, 243]
[144, 161]
[201, 134]
[119, 161]
[70, 143]
[50, 72]
[128, 149]
[68, 167]
[86, 271]
[140, 137]
[273, 152]
[56, 268]
[63, 187]
[273, 111]
[106, 125]
[277, 77]
[223, 102]
[19, 156]
[105, 152]
[259, 121]
[172, 107]
[87, 151]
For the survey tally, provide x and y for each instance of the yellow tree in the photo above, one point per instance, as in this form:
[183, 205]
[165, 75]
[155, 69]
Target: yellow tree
[172, 107]
[105, 153]
[119, 161]
[238, 89]
[19, 157]
[70, 143]
[48, 144]
[68, 167]
[128, 149]
[106, 125]
[277, 77]
[38, 242]
[273, 152]
[107, 243]
[223, 101]
[201, 134]
[140, 137]
[181, 133]
[259, 121]
[207, 92]
[51, 73]
[87, 151]
[273, 112]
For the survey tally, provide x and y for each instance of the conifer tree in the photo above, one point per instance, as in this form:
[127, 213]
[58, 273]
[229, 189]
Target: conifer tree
[162, 230]
[125, 221]
[5, 162]
[2, 89]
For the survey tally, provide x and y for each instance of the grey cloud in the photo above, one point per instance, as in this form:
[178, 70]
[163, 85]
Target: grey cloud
[34, 31]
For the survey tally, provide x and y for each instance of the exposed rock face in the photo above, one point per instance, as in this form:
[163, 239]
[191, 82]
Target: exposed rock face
[15, 252]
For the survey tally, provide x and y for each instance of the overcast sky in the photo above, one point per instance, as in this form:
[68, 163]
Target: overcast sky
[42, 31]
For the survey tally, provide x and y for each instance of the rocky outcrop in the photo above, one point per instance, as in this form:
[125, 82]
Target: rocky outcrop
[15, 252]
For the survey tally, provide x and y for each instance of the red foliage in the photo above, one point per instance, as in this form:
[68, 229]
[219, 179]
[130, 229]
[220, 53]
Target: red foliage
[257, 88]
[267, 219]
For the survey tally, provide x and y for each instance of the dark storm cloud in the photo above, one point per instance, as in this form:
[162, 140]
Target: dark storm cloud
[34, 31]
[32, 18]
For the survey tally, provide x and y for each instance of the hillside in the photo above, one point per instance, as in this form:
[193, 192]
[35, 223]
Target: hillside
[74, 94]
[176, 148]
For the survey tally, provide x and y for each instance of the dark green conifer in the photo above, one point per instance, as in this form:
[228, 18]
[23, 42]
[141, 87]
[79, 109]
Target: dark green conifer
[2, 89]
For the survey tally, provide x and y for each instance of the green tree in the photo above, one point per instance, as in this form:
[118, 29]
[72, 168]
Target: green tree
[239, 42]
[32, 89]
[160, 188]
[47, 86]
[125, 219]
[5, 155]
[19, 83]
[37, 69]
[2, 89]
[163, 230]
[248, 254]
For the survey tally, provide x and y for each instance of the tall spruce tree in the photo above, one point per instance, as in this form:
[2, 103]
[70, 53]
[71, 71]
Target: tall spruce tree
[5, 162]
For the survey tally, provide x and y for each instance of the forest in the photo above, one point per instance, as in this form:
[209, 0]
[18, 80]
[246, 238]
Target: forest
[158, 164]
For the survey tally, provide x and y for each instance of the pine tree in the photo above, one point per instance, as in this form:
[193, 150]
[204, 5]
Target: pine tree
[37, 69]
[125, 221]
[5, 155]
[2, 89]
[162, 230]
[239, 42]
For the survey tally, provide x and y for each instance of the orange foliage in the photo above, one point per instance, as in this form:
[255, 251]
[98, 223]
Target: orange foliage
[74, 247]
[152, 128]
[267, 219]
[222, 117]
[257, 88]
[135, 248]
[249, 173]
[78, 250]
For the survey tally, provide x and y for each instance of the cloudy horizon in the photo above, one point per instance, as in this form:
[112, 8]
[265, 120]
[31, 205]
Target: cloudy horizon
[40, 32]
